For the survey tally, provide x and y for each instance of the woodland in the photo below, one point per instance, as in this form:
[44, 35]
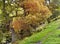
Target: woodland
[29, 21]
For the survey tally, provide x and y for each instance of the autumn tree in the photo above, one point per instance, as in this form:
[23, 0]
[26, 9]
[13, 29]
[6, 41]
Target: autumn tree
[35, 12]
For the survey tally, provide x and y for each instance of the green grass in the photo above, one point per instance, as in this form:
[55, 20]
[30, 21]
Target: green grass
[52, 38]
[38, 36]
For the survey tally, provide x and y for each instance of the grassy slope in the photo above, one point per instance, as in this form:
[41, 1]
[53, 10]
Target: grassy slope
[52, 38]
[37, 37]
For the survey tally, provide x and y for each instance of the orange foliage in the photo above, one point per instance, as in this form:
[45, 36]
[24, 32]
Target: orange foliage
[36, 6]
[31, 6]
[19, 24]
[38, 12]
